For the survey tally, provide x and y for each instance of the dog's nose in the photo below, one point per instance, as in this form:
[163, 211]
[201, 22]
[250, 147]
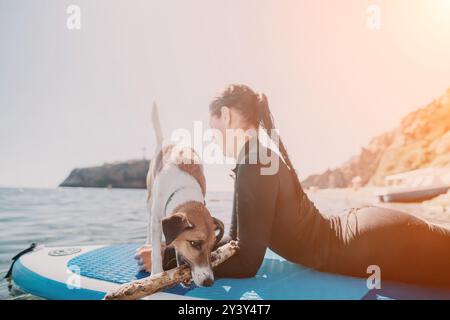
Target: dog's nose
[208, 282]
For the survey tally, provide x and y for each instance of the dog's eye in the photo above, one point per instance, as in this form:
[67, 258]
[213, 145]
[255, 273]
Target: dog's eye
[195, 244]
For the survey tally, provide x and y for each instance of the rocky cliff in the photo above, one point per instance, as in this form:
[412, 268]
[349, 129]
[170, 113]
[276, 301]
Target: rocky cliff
[130, 174]
[422, 140]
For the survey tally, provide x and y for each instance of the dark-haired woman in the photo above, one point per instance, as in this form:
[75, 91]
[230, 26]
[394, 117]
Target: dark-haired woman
[272, 211]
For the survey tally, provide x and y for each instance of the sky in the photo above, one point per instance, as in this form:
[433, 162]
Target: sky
[76, 98]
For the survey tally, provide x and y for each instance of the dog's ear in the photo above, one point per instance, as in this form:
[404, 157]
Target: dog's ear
[219, 227]
[173, 225]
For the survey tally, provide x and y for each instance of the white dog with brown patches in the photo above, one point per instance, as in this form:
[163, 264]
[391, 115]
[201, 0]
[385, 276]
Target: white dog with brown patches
[176, 199]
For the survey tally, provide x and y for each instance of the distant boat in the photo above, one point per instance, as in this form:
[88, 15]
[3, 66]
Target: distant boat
[415, 186]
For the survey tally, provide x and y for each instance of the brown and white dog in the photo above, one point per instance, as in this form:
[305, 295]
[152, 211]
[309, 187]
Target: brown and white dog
[176, 199]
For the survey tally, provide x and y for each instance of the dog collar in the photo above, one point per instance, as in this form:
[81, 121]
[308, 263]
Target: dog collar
[173, 193]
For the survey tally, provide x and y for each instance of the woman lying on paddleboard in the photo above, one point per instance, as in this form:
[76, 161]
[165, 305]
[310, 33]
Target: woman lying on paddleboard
[272, 211]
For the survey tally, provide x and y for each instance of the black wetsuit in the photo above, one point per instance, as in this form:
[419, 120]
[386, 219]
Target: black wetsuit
[269, 213]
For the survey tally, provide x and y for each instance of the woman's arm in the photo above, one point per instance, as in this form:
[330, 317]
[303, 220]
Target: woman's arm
[255, 206]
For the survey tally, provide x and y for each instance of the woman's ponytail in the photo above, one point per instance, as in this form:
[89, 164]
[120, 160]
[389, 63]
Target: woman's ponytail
[268, 124]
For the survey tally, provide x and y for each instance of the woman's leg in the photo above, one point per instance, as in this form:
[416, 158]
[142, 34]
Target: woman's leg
[404, 247]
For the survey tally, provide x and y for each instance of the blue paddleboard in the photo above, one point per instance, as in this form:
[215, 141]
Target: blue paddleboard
[88, 272]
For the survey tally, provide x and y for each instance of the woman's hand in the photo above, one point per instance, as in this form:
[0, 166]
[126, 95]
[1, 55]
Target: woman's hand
[144, 257]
